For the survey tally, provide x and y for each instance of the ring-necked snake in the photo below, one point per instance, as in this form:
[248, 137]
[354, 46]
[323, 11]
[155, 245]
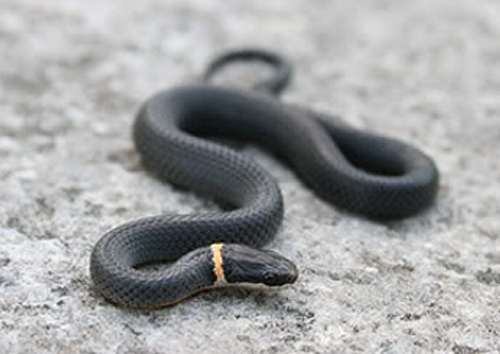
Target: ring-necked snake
[355, 170]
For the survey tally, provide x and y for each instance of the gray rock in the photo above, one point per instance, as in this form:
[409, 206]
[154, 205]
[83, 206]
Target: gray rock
[74, 73]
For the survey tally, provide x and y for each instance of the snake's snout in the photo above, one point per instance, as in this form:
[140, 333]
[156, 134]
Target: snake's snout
[281, 271]
[286, 273]
[249, 265]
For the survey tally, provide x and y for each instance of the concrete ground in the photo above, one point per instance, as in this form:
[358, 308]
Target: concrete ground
[73, 74]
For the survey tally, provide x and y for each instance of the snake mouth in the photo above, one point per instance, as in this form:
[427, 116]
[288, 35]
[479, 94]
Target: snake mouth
[294, 275]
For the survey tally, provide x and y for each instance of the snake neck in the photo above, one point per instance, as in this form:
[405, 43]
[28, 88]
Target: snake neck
[218, 264]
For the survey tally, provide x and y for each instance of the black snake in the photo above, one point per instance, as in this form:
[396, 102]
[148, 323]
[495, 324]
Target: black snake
[361, 172]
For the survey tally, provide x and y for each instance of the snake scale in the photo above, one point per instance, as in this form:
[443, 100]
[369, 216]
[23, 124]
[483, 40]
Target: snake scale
[357, 171]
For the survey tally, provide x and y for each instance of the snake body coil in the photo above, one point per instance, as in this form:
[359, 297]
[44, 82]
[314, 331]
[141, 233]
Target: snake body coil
[355, 170]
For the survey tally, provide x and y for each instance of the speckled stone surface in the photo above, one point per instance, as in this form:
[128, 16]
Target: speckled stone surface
[72, 75]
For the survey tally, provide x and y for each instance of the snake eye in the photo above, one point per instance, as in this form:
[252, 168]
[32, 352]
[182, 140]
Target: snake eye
[270, 279]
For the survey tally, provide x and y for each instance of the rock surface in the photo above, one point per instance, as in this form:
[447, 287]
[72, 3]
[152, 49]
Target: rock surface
[74, 73]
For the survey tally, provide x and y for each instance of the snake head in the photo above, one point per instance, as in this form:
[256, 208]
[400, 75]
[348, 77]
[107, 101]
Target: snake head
[243, 264]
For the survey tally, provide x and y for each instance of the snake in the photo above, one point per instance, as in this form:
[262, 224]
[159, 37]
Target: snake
[359, 172]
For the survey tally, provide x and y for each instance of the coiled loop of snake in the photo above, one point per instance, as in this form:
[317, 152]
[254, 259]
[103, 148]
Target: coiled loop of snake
[358, 171]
